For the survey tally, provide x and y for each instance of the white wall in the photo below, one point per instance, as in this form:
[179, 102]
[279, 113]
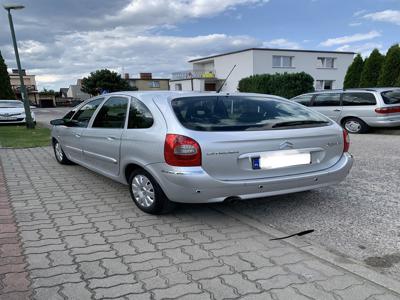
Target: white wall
[224, 64]
[198, 85]
[305, 62]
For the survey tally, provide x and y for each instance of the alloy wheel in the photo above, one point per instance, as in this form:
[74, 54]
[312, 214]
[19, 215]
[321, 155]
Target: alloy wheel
[143, 190]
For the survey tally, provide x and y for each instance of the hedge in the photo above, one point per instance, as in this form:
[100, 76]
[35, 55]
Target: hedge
[286, 85]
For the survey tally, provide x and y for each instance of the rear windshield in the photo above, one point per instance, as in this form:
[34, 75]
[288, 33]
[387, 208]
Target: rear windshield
[391, 97]
[238, 113]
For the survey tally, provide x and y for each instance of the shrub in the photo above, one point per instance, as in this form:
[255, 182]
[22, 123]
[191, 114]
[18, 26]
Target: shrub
[286, 85]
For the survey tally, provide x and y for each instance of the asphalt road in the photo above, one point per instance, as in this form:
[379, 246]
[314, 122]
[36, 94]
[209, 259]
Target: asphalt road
[45, 115]
[359, 218]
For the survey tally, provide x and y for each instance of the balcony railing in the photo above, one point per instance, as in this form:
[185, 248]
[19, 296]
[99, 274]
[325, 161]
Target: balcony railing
[193, 74]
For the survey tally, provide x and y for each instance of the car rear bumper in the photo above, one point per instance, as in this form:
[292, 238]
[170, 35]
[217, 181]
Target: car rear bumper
[386, 121]
[194, 185]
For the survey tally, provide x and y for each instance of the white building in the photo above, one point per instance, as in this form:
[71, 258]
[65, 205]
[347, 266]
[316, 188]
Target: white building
[328, 68]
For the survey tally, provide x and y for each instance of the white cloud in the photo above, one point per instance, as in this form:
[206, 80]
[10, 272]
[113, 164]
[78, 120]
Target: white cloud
[389, 16]
[157, 12]
[351, 38]
[354, 24]
[359, 12]
[281, 43]
[363, 49]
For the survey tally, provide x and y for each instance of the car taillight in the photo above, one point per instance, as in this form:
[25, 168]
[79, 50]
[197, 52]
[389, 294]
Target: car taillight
[181, 151]
[388, 110]
[346, 141]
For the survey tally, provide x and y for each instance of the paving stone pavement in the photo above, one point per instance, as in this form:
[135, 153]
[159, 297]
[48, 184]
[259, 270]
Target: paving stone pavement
[83, 238]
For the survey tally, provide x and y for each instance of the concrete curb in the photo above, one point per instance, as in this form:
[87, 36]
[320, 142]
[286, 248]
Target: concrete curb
[345, 263]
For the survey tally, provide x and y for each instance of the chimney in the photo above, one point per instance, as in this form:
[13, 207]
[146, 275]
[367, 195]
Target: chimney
[126, 76]
[146, 76]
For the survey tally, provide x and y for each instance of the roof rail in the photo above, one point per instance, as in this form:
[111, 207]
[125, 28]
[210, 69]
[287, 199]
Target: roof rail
[364, 89]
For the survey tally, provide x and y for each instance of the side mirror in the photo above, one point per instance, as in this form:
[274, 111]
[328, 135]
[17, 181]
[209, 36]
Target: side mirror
[58, 122]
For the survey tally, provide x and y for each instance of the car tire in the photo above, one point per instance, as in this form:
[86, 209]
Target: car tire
[147, 193]
[355, 125]
[60, 155]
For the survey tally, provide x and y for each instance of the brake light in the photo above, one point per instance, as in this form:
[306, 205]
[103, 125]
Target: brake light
[388, 110]
[181, 151]
[346, 141]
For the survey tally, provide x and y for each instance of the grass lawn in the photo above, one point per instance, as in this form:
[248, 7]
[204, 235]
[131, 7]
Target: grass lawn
[18, 136]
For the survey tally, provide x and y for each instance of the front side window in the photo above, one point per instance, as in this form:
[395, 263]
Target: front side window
[282, 61]
[353, 99]
[82, 117]
[328, 99]
[139, 115]
[303, 99]
[391, 97]
[242, 113]
[112, 114]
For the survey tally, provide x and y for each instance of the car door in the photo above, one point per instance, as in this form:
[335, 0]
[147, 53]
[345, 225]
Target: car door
[328, 104]
[70, 136]
[102, 140]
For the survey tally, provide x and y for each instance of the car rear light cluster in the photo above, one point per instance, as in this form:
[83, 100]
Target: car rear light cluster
[181, 151]
[388, 110]
[346, 141]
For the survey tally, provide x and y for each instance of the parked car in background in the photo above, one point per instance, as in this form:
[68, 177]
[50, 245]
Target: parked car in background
[13, 112]
[202, 147]
[357, 109]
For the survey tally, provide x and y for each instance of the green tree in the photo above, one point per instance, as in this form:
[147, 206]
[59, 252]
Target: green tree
[391, 67]
[104, 80]
[353, 75]
[371, 70]
[6, 91]
[286, 85]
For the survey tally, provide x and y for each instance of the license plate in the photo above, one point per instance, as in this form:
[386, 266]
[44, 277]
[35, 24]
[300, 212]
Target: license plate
[7, 118]
[280, 160]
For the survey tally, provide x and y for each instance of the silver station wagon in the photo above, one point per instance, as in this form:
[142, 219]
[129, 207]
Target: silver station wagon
[202, 147]
[357, 109]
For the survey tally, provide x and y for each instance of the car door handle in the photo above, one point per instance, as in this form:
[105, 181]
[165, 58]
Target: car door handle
[336, 110]
[111, 138]
[77, 135]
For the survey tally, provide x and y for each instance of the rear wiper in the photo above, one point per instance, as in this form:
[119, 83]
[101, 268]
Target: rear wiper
[295, 123]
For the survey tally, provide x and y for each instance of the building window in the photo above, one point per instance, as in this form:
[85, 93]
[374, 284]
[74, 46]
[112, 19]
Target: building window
[326, 62]
[282, 61]
[178, 86]
[154, 84]
[324, 85]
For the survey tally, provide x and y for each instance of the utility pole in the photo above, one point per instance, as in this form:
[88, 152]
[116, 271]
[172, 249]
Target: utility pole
[25, 99]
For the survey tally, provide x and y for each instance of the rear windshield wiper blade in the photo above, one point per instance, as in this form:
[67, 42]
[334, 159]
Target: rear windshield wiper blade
[295, 123]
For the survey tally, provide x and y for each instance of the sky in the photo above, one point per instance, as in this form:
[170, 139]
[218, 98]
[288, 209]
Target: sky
[63, 40]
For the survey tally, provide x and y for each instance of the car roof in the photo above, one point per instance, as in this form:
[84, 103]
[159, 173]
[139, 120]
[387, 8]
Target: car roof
[143, 95]
[380, 89]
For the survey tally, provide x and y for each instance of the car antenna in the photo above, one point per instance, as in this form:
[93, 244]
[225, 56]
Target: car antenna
[222, 85]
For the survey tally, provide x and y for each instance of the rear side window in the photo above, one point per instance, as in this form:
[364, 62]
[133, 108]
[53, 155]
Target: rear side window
[303, 99]
[240, 113]
[328, 99]
[354, 99]
[83, 115]
[391, 97]
[112, 114]
[139, 115]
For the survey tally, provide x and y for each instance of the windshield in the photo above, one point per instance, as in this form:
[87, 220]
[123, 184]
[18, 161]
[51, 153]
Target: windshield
[10, 104]
[391, 97]
[239, 113]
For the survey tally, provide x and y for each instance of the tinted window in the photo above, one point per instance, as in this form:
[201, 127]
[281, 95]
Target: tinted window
[328, 99]
[391, 97]
[303, 99]
[112, 114]
[139, 115]
[238, 113]
[83, 115]
[351, 99]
